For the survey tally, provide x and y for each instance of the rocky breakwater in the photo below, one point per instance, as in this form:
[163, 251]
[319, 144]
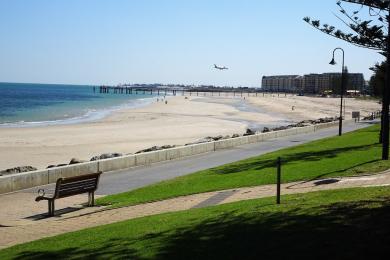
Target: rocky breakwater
[207, 139]
[18, 169]
[156, 148]
[302, 124]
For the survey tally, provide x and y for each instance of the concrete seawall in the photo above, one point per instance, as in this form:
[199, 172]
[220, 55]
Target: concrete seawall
[15, 182]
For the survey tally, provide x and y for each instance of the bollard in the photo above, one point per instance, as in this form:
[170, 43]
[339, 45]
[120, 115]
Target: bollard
[278, 179]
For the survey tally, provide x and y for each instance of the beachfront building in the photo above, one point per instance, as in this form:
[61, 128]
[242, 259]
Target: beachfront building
[283, 83]
[312, 83]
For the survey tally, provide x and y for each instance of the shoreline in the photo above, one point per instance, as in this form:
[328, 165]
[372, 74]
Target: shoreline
[183, 120]
[89, 116]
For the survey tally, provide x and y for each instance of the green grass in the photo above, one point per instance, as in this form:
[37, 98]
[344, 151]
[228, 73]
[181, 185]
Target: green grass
[351, 154]
[341, 224]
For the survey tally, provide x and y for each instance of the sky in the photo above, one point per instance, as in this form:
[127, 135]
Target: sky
[97, 42]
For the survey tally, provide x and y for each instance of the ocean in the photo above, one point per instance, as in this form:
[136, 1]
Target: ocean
[23, 105]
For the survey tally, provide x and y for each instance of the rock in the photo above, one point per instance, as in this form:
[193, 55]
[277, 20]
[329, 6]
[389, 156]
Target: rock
[106, 156]
[235, 135]
[201, 141]
[266, 130]
[300, 124]
[56, 165]
[75, 161]
[249, 132]
[156, 148]
[226, 137]
[281, 128]
[216, 138]
[18, 169]
[151, 149]
[167, 146]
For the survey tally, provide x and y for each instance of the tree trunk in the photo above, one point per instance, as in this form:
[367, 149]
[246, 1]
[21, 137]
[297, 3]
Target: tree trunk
[385, 104]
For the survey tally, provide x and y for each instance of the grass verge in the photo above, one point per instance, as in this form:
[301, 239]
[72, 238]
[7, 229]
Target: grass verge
[339, 224]
[353, 153]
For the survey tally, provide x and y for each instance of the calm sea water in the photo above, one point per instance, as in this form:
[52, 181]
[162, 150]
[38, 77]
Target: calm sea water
[47, 104]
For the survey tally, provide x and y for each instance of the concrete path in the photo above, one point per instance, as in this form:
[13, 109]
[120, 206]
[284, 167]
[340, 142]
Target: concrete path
[35, 227]
[129, 179]
[17, 206]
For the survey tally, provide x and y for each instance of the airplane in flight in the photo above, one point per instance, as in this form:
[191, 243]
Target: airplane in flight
[220, 68]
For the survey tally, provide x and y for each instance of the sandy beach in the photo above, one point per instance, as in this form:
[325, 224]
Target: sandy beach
[181, 121]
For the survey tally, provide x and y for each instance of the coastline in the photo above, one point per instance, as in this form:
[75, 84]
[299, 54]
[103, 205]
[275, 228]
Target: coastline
[181, 121]
[87, 117]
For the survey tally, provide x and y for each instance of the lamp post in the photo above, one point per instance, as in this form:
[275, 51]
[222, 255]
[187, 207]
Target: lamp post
[333, 62]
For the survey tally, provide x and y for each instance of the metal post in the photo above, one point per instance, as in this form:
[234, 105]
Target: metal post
[278, 177]
[342, 90]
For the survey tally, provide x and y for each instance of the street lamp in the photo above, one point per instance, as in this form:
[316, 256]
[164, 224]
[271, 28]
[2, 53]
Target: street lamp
[333, 62]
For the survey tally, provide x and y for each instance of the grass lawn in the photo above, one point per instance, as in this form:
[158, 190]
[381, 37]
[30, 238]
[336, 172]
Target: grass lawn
[340, 224]
[351, 154]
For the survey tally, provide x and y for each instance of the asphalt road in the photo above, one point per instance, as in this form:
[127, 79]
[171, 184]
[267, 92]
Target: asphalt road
[129, 179]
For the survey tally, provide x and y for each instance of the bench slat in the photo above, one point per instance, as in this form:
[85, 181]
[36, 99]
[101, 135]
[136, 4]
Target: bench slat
[76, 185]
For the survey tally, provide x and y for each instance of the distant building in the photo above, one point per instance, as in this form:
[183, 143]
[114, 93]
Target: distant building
[284, 83]
[311, 83]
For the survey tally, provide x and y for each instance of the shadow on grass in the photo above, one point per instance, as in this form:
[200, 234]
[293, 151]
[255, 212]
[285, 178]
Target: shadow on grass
[288, 158]
[337, 231]
[341, 231]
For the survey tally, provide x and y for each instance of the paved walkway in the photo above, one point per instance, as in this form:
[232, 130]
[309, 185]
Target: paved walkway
[133, 178]
[16, 230]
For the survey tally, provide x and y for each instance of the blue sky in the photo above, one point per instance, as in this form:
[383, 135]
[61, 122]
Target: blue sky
[167, 41]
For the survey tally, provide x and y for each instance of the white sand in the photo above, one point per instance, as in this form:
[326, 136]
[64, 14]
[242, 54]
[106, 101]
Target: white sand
[178, 122]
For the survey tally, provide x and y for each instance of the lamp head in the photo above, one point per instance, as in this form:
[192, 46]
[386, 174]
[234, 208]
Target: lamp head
[332, 62]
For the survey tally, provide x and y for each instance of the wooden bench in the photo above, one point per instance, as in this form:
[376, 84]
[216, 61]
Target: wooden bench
[66, 187]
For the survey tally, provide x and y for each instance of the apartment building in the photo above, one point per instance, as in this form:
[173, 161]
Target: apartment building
[312, 83]
[282, 83]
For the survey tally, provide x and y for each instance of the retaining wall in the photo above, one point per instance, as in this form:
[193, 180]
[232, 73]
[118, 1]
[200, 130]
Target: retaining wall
[26, 180]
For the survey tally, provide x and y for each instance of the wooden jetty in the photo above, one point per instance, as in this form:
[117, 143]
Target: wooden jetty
[184, 91]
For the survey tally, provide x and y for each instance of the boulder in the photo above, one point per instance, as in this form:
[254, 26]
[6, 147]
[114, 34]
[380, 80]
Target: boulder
[266, 130]
[18, 169]
[151, 149]
[201, 141]
[249, 132]
[106, 156]
[156, 148]
[75, 161]
[167, 146]
[95, 158]
[235, 135]
[216, 138]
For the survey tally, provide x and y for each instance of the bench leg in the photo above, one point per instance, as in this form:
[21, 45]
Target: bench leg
[51, 207]
[91, 199]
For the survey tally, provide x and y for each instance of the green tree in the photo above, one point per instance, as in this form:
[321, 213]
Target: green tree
[377, 80]
[370, 33]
